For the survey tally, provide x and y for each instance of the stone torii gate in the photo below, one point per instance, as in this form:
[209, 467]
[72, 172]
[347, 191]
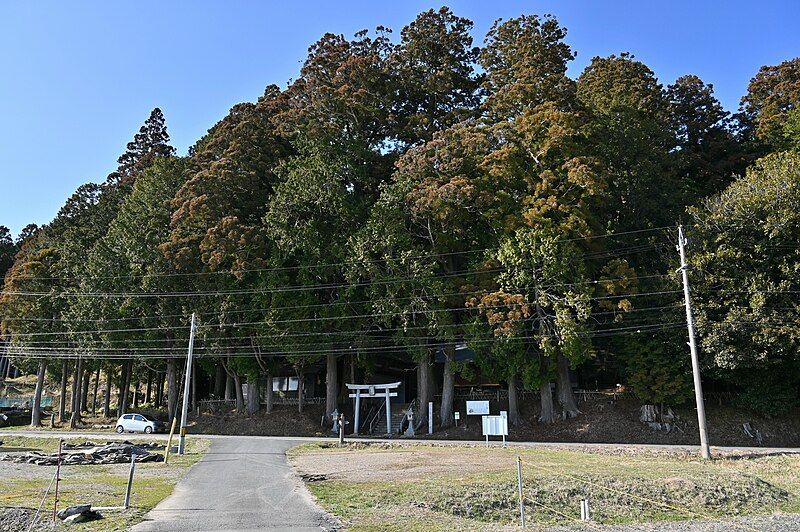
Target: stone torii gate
[374, 390]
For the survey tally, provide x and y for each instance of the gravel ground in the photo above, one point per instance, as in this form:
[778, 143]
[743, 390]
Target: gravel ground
[18, 520]
[773, 523]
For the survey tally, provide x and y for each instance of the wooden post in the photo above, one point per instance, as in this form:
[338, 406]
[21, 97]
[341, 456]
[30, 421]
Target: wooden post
[130, 480]
[58, 478]
[169, 441]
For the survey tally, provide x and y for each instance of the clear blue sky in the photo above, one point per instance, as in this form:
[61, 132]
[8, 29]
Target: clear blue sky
[78, 78]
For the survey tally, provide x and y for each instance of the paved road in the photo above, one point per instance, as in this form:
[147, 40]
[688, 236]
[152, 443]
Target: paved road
[241, 483]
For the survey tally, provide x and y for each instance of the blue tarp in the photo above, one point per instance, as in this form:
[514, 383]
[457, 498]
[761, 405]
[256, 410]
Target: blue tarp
[23, 401]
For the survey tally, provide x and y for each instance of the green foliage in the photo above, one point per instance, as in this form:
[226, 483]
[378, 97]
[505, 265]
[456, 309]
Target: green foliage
[658, 368]
[748, 266]
[771, 96]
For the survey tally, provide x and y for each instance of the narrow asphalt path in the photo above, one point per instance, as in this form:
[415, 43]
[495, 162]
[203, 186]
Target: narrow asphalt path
[240, 484]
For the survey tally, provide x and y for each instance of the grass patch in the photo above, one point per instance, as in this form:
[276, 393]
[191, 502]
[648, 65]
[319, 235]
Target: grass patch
[407, 488]
[23, 485]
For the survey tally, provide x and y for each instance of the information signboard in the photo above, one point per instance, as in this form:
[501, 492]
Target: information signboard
[477, 408]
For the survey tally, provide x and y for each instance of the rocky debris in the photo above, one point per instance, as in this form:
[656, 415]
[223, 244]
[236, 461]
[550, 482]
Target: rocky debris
[89, 453]
[313, 477]
[152, 446]
[79, 514]
[19, 520]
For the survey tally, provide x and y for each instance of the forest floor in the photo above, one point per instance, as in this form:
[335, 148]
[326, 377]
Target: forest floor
[603, 419]
[383, 486]
[22, 486]
[609, 419]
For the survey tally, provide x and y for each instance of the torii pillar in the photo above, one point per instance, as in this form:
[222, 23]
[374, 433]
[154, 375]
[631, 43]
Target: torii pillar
[372, 391]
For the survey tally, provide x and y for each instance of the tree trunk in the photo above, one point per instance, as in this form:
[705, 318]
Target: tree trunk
[546, 395]
[156, 389]
[424, 390]
[219, 382]
[269, 391]
[148, 394]
[194, 386]
[253, 394]
[62, 404]
[36, 408]
[229, 388]
[136, 385]
[331, 392]
[159, 389]
[96, 387]
[301, 385]
[75, 419]
[566, 398]
[124, 392]
[237, 383]
[172, 389]
[107, 399]
[448, 389]
[86, 380]
[514, 417]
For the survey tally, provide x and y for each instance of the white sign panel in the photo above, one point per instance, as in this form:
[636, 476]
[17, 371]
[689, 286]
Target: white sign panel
[477, 408]
[495, 426]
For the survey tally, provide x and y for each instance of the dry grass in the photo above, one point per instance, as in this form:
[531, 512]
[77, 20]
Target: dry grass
[470, 487]
[23, 485]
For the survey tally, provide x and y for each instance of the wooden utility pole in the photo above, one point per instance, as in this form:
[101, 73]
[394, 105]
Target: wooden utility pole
[698, 386]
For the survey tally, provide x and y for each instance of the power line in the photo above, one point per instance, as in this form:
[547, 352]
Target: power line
[426, 297]
[365, 331]
[332, 264]
[66, 353]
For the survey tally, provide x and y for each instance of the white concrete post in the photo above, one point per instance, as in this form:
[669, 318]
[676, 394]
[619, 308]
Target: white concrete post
[705, 451]
[388, 412]
[430, 417]
[358, 411]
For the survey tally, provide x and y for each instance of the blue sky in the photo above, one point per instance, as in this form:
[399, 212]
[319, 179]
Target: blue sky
[78, 78]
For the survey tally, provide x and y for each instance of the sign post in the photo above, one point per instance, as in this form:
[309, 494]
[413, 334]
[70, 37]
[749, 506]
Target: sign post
[430, 417]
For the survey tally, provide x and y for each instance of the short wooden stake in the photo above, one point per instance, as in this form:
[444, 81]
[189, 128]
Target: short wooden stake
[169, 441]
[58, 478]
[130, 480]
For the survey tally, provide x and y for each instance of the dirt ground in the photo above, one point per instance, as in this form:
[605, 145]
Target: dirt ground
[407, 462]
[404, 486]
[282, 421]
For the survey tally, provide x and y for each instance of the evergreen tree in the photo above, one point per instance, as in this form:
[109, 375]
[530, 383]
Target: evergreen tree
[150, 143]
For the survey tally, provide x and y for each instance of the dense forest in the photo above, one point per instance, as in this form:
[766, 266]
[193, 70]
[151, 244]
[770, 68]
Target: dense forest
[408, 193]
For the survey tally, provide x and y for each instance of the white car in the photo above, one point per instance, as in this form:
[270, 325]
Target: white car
[137, 423]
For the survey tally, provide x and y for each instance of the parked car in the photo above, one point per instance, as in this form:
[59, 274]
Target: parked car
[138, 423]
